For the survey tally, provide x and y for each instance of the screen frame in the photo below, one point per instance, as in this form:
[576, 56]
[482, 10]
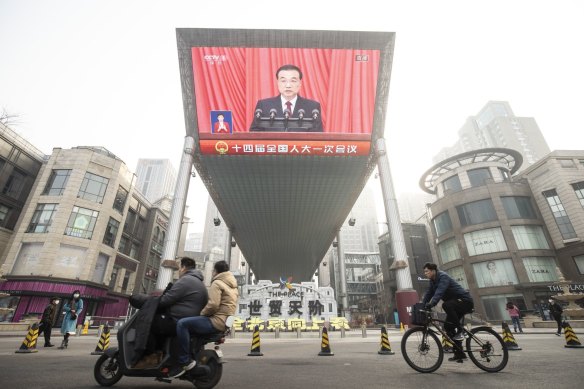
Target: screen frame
[356, 40]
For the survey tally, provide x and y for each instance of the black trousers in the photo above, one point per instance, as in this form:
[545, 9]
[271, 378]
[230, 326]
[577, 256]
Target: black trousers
[558, 319]
[162, 326]
[46, 329]
[455, 309]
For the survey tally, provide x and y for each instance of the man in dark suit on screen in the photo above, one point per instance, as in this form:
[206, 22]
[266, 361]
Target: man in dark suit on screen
[287, 111]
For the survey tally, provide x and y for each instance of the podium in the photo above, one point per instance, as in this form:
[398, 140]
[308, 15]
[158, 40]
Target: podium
[278, 124]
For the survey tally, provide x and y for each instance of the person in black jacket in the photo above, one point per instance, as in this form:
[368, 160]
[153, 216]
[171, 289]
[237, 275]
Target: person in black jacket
[556, 312]
[48, 320]
[457, 301]
[185, 298]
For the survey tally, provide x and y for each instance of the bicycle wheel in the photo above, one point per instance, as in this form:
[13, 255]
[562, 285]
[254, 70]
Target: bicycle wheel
[487, 350]
[422, 350]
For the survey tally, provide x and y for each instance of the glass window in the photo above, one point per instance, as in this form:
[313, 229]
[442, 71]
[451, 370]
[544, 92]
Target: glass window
[579, 189]
[530, 237]
[57, 182]
[477, 177]
[562, 219]
[81, 223]
[42, 218]
[442, 223]
[4, 212]
[579, 259]
[452, 184]
[518, 207]
[120, 200]
[111, 232]
[459, 276]
[14, 184]
[567, 163]
[540, 269]
[495, 273]
[124, 245]
[93, 187]
[495, 305]
[485, 241]
[134, 250]
[449, 250]
[114, 276]
[477, 212]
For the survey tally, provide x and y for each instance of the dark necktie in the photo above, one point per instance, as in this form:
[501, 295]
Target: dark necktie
[289, 106]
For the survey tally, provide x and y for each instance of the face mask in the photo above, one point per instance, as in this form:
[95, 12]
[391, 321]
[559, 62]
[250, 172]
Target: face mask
[57, 302]
[76, 295]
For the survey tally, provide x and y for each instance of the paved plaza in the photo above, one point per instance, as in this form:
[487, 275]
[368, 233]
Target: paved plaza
[291, 362]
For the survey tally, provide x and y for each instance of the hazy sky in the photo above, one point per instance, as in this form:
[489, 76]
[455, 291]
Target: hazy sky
[105, 73]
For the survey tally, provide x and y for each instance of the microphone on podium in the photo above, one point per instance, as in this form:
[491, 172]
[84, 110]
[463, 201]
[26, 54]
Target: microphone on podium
[273, 113]
[258, 113]
[315, 114]
[301, 114]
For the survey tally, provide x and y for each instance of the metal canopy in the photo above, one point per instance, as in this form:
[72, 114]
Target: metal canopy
[284, 211]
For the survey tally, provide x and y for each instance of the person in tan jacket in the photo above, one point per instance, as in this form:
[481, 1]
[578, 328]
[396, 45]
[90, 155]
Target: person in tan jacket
[223, 295]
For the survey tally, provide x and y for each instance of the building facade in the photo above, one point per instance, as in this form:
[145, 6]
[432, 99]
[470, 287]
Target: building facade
[20, 163]
[86, 227]
[557, 183]
[156, 178]
[489, 230]
[418, 251]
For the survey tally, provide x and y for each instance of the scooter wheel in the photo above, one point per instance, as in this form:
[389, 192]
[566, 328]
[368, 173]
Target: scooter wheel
[107, 370]
[211, 379]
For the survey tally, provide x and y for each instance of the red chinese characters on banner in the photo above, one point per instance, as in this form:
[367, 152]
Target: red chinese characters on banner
[284, 147]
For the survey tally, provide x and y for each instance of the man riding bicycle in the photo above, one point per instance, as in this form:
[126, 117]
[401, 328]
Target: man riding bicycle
[456, 303]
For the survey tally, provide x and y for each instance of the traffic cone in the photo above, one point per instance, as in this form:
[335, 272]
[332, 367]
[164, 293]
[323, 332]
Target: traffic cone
[30, 341]
[325, 348]
[385, 346]
[509, 339]
[255, 343]
[103, 342]
[571, 338]
[447, 346]
[85, 329]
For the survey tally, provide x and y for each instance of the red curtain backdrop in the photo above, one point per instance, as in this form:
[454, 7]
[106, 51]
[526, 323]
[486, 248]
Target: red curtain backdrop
[233, 79]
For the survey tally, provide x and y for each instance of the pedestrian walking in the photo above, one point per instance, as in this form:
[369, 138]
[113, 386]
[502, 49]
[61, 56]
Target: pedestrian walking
[48, 320]
[556, 312]
[72, 309]
[515, 315]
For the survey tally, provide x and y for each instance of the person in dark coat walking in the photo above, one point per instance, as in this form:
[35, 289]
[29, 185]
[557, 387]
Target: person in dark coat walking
[556, 312]
[48, 320]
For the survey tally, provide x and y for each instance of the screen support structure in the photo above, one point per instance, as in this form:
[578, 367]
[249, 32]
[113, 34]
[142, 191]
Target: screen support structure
[227, 250]
[342, 277]
[168, 262]
[406, 296]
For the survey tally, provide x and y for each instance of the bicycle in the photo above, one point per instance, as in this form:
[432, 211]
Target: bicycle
[424, 352]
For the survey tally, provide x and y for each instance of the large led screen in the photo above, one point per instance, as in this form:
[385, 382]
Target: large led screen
[242, 97]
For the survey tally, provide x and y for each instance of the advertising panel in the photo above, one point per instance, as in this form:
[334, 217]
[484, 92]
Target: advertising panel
[284, 101]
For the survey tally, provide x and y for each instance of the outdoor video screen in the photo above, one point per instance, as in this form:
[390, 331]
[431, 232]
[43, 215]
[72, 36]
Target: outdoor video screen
[248, 91]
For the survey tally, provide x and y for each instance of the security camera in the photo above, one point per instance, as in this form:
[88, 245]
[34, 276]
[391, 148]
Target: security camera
[352, 221]
[216, 221]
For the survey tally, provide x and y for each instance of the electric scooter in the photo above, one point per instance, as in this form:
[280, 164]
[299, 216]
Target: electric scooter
[116, 362]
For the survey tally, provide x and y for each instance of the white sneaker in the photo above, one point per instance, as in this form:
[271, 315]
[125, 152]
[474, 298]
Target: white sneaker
[182, 369]
[458, 336]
